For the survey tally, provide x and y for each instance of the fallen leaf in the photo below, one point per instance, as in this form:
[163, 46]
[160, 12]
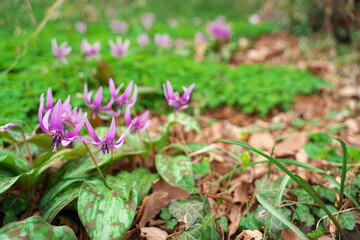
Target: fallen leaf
[153, 233]
[155, 202]
[291, 145]
[351, 125]
[250, 235]
[234, 216]
[262, 140]
[326, 237]
[349, 91]
[173, 192]
[287, 234]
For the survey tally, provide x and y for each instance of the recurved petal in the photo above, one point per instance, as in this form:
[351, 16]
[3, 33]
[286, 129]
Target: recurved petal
[127, 92]
[134, 97]
[170, 90]
[186, 96]
[110, 135]
[113, 91]
[77, 129]
[127, 116]
[98, 98]
[91, 131]
[56, 117]
[49, 100]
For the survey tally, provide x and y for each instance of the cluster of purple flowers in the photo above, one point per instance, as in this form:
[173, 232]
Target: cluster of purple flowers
[55, 120]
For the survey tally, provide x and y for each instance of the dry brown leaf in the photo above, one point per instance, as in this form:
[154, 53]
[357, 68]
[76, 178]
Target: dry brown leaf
[352, 125]
[326, 237]
[155, 202]
[173, 192]
[288, 234]
[250, 235]
[291, 145]
[234, 216]
[349, 91]
[153, 233]
[262, 140]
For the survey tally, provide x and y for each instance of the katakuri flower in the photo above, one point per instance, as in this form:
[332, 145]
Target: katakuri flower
[49, 101]
[118, 26]
[96, 104]
[71, 115]
[174, 99]
[107, 141]
[81, 27]
[219, 29]
[8, 126]
[90, 51]
[143, 39]
[162, 40]
[147, 20]
[119, 49]
[60, 52]
[137, 123]
[52, 124]
[124, 99]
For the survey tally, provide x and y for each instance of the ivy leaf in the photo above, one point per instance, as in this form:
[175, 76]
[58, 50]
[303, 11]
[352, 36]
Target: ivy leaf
[327, 193]
[35, 228]
[177, 171]
[187, 211]
[267, 189]
[103, 211]
[302, 213]
[249, 222]
[348, 220]
[193, 233]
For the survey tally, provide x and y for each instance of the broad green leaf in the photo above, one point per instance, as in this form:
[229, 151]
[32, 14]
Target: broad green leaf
[15, 137]
[54, 206]
[186, 210]
[202, 168]
[249, 222]
[103, 211]
[6, 180]
[209, 228]
[302, 195]
[327, 193]
[303, 214]
[268, 189]
[223, 221]
[177, 171]
[12, 163]
[185, 120]
[192, 233]
[35, 228]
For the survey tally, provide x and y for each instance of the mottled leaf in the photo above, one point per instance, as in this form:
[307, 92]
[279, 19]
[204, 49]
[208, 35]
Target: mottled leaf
[177, 171]
[302, 213]
[12, 163]
[35, 228]
[348, 220]
[193, 233]
[54, 206]
[185, 120]
[103, 211]
[187, 211]
[6, 180]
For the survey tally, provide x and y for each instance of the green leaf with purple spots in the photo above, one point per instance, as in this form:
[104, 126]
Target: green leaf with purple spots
[104, 212]
[35, 228]
[177, 171]
[6, 180]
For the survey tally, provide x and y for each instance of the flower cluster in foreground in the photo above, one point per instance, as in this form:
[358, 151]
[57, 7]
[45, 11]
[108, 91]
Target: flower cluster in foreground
[56, 120]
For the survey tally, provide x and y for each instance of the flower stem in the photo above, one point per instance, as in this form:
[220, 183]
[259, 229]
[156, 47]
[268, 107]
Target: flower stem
[27, 148]
[95, 163]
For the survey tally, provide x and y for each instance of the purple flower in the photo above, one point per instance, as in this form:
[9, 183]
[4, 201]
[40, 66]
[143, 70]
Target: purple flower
[162, 40]
[200, 38]
[90, 51]
[71, 115]
[96, 104]
[137, 123]
[143, 39]
[52, 124]
[174, 99]
[147, 20]
[118, 26]
[107, 141]
[119, 49]
[124, 99]
[8, 126]
[81, 27]
[49, 101]
[60, 52]
[219, 29]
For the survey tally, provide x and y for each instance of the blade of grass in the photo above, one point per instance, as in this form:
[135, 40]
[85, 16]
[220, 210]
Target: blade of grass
[279, 216]
[298, 180]
[343, 171]
[282, 187]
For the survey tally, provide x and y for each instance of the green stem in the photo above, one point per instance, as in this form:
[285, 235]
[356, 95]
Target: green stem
[27, 148]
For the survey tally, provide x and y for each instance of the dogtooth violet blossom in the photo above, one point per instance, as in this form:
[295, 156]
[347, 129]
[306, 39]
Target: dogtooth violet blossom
[81, 27]
[107, 141]
[49, 101]
[118, 26]
[71, 115]
[143, 39]
[137, 123]
[124, 99]
[52, 124]
[95, 105]
[60, 52]
[219, 29]
[174, 99]
[119, 49]
[162, 40]
[147, 20]
[90, 51]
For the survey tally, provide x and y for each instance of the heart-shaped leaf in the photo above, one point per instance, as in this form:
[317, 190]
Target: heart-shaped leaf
[35, 228]
[187, 211]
